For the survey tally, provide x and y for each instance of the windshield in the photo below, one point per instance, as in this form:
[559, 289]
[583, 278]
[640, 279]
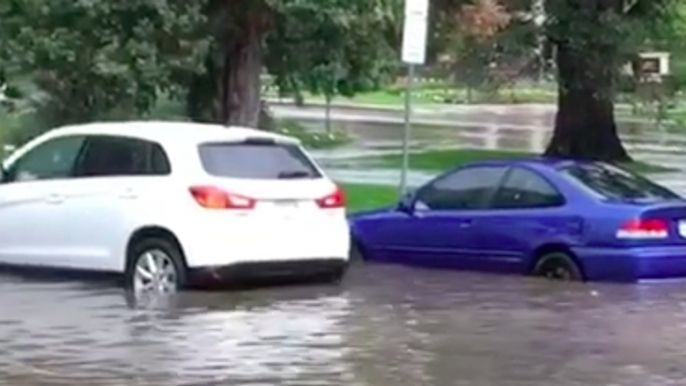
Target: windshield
[268, 160]
[615, 183]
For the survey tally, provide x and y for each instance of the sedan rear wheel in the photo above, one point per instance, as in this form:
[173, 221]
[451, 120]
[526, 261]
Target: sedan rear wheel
[558, 266]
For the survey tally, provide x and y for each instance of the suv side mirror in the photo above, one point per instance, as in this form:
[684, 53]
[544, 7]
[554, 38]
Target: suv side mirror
[406, 203]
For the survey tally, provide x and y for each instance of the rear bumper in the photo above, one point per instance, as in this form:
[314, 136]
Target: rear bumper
[249, 273]
[633, 264]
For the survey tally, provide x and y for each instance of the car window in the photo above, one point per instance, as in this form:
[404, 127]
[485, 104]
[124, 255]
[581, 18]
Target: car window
[614, 183]
[53, 159]
[468, 188]
[121, 156]
[526, 189]
[263, 160]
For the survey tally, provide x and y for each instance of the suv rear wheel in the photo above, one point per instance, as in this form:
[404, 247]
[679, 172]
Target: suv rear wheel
[155, 267]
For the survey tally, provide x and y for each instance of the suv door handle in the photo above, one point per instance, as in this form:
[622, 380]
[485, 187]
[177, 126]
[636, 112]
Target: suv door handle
[128, 194]
[54, 198]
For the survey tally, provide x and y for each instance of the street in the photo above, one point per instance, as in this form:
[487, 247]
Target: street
[385, 325]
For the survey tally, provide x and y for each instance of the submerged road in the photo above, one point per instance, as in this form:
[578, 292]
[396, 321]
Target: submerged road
[384, 326]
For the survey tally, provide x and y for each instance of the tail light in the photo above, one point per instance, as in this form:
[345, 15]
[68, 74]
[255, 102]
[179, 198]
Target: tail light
[211, 197]
[644, 229]
[333, 200]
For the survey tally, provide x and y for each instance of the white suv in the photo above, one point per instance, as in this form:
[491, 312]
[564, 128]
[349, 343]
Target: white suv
[166, 202]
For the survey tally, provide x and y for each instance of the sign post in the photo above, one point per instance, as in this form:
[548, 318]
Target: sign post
[413, 54]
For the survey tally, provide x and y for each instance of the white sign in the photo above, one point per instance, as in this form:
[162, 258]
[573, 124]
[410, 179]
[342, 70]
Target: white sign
[414, 31]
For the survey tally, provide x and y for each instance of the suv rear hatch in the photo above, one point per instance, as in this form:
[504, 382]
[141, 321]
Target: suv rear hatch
[261, 174]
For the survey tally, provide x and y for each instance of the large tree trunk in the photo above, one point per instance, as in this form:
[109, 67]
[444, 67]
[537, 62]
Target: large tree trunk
[242, 66]
[585, 124]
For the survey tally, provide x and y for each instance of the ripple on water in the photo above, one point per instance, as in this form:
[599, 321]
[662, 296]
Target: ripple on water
[385, 326]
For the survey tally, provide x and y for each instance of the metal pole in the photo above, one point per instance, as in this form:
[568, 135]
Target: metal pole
[408, 127]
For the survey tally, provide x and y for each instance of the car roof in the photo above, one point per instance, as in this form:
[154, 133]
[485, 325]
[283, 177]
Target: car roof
[170, 131]
[533, 161]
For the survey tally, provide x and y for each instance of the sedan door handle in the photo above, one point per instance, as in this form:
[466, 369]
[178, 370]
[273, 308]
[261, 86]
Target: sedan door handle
[465, 223]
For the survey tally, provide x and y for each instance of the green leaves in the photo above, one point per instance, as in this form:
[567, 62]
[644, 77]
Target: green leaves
[331, 46]
[91, 57]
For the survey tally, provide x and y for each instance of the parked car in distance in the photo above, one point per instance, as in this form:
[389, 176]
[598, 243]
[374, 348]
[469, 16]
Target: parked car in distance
[166, 203]
[561, 219]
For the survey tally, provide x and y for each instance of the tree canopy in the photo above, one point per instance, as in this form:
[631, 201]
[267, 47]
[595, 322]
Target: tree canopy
[86, 59]
[91, 57]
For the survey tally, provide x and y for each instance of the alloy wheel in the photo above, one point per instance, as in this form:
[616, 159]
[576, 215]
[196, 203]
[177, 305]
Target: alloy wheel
[155, 273]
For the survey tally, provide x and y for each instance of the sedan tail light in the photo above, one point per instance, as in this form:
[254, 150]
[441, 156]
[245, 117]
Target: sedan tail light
[644, 229]
[211, 197]
[333, 200]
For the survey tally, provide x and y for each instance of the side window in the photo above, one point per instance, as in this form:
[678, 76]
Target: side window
[53, 159]
[464, 189]
[526, 189]
[120, 156]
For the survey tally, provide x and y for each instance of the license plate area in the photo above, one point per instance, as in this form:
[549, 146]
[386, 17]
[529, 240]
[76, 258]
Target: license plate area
[287, 204]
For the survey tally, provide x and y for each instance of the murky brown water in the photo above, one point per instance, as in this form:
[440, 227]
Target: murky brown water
[384, 326]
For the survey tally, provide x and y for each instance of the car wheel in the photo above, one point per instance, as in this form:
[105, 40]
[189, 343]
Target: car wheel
[558, 266]
[155, 267]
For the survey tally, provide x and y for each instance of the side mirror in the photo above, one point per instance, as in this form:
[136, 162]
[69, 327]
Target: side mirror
[406, 203]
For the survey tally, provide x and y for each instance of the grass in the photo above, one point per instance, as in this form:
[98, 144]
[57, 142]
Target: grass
[395, 97]
[438, 160]
[312, 139]
[363, 196]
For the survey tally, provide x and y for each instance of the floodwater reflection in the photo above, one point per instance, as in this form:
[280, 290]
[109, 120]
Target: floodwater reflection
[383, 326]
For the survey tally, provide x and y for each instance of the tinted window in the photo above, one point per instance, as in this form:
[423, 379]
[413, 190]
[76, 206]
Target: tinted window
[256, 161]
[119, 156]
[464, 189]
[526, 189]
[614, 183]
[52, 159]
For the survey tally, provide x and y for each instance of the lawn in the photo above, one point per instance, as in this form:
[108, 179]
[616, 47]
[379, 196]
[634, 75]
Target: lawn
[439, 160]
[362, 196]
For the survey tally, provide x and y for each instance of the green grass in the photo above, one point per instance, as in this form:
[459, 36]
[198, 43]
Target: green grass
[438, 160]
[395, 97]
[312, 139]
[363, 196]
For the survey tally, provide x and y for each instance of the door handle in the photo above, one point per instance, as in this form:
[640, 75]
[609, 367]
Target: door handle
[54, 199]
[465, 223]
[128, 194]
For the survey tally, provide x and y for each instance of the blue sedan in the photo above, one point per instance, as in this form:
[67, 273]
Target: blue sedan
[560, 219]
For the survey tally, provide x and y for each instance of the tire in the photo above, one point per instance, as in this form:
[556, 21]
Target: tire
[165, 254]
[558, 266]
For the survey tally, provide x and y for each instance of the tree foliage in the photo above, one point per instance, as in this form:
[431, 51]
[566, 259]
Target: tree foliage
[89, 57]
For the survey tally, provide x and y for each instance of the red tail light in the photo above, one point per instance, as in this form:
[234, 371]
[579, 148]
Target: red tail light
[644, 229]
[211, 197]
[333, 200]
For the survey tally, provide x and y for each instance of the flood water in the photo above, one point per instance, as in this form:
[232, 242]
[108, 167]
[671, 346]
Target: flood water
[384, 326]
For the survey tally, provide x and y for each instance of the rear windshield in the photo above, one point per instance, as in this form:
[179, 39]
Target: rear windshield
[263, 160]
[615, 183]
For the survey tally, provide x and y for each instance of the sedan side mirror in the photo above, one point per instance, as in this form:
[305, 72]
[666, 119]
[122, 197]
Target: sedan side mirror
[406, 203]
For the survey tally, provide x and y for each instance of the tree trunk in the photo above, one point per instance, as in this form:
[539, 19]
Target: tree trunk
[585, 123]
[242, 66]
